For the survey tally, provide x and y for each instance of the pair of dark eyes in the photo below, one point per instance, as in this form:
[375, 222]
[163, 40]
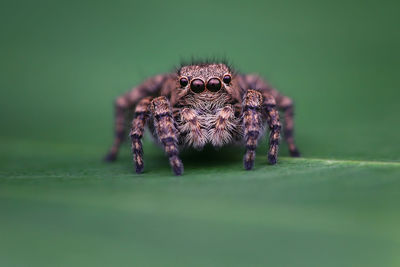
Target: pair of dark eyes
[198, 86]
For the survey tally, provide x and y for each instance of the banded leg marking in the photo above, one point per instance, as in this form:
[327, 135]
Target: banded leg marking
[274, 127]
[136, 134]
[252, 125]
[166, 131]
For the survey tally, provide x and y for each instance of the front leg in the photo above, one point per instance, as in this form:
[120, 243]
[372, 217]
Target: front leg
[253, 105]
[166, 132]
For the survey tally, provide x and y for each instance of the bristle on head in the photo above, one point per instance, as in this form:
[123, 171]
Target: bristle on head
[204, 63]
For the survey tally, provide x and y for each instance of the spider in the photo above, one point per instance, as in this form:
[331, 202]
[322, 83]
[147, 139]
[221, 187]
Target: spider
[203, 103]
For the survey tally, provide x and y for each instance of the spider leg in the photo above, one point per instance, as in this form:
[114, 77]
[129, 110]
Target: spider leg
[140, 117]
[252, 125]
[120, 109]
[274, 127]
[166, 131]
[127, 102]
[286, 105]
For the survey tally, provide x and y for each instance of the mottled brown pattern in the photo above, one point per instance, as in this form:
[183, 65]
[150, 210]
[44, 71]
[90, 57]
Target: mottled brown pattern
[252, 125]
[196, 134]
[136, 134]
[226, 108]
[128, 101]
[225, 126]
[167, 134]
[274, 136]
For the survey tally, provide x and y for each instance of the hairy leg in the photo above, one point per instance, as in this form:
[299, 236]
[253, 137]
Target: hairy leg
[140, 117]
[252, 125]
[274, 127]
[127, 102]
[284, 104]
[166, 131]
[120, 109]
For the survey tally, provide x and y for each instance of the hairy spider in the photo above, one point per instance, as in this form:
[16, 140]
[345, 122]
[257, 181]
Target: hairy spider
[203, 103]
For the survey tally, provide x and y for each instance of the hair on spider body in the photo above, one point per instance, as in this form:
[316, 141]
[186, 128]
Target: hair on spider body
[204, 62]
[204, 102]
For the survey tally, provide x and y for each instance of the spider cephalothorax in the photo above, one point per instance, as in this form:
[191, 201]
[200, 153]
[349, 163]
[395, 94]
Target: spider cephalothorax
[201, 104]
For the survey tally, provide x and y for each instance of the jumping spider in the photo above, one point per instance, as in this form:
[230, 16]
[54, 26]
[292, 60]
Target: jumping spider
[203, 103]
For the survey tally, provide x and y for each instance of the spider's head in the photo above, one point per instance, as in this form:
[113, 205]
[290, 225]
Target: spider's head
[205, 78]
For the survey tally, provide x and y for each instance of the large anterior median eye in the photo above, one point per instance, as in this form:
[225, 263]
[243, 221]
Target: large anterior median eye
[214, 85]
[197, 86]
[183, 81]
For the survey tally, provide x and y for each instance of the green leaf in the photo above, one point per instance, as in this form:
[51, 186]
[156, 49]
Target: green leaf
[63, 206]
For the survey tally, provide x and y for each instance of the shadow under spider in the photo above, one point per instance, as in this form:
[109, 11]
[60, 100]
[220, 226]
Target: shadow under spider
[210, 156]
[192, 158]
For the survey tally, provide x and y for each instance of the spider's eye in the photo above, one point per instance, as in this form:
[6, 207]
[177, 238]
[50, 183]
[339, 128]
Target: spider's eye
[227, 79]
[183, 82]
[214, 85]
[197, 86]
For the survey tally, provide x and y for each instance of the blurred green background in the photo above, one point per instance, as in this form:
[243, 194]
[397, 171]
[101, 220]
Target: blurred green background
[64, 62]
